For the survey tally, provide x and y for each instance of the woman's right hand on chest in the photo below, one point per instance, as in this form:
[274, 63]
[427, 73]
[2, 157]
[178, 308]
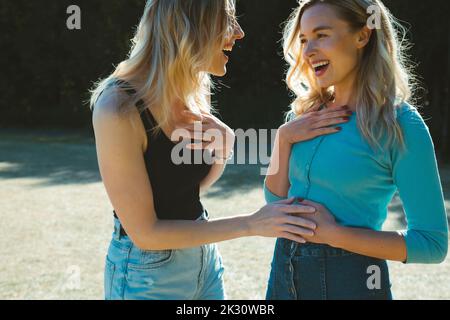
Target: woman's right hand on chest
[313, 124]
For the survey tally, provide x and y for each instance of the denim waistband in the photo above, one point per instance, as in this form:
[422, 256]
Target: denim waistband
[118, 226]
[312, 249]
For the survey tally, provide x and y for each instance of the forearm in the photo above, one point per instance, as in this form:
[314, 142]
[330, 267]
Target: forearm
[378, 244]
[277, 175]
[178, 234]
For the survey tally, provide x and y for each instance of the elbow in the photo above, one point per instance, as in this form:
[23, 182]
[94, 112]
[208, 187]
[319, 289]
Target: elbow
[141, 243]
[146, 240]
[440, 248]
[146, 243]
[440, 253]
[426, 247]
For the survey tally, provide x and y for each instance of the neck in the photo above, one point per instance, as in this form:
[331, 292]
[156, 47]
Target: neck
[178, 106]
[344, 95]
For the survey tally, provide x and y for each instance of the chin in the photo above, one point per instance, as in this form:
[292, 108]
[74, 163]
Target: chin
[324, 84]
[219, 73]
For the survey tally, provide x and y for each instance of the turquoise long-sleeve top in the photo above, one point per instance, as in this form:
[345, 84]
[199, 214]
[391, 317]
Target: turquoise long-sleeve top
[356, 183]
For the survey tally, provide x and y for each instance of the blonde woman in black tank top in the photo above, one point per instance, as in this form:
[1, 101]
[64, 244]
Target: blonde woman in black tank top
[164, 245]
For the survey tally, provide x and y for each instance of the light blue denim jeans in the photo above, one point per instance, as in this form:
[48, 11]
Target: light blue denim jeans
[187, 274]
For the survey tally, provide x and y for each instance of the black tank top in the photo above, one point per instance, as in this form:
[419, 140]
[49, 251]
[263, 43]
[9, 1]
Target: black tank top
[176, 187]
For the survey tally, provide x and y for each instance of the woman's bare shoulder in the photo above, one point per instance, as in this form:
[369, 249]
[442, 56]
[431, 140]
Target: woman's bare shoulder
[113, 114]
[110, 103]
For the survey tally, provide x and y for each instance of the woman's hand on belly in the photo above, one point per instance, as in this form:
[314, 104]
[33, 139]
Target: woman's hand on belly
[327, 228]
[386, 245]
[283, 219]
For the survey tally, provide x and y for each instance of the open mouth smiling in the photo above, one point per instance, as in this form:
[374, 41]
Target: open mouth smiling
[320, 67]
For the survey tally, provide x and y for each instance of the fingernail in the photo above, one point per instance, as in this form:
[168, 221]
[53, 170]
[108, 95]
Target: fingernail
[338, 128]
[300, 199]
[350, 113]
[346, 118]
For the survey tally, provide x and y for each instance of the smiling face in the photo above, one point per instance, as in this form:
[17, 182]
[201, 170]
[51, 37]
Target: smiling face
[219, 62]
[329, 48]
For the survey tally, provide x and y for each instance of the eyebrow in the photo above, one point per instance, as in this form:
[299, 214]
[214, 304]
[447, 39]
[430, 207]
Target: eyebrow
[320, 28]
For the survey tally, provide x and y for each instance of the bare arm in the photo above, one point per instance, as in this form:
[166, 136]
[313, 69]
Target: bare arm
[277, 181]
[122, 167]
[378, 244]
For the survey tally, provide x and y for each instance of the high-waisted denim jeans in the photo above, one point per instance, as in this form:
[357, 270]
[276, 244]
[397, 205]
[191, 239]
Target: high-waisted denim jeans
[318, 272]
[187, 274]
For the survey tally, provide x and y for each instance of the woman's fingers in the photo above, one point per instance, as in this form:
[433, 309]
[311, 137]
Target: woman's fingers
[298, 230]
[333, 114]
[314, 109]
[295, 208]
[193, 115]
[196, 135]
[292, 237]
[201, 145]
[286, 201]
[302, 222]
[330, 110]
[196, 126]
[330, 122]
[313, 204]
[324, 131]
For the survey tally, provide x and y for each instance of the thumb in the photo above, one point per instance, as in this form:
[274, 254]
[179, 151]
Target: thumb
[310, 203]
[286, 201]
[314, 108]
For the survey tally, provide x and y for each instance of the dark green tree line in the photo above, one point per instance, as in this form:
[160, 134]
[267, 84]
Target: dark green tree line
[48, 69]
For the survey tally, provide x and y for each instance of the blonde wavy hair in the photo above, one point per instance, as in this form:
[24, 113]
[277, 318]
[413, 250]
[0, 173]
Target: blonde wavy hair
[174, 44]
[384, 76]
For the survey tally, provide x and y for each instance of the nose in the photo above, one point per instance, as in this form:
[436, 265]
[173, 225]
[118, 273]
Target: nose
[309, 50]
[238, 32]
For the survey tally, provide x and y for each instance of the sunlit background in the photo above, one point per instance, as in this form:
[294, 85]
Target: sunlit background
[56, 220]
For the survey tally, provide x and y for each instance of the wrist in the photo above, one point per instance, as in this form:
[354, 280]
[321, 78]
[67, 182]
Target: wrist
[337, 240]
[283, 138]
[222, 155]
[246, 226]
[227, 152]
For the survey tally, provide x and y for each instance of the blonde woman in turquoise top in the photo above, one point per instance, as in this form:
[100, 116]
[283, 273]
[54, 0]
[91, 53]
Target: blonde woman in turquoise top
[340, 55]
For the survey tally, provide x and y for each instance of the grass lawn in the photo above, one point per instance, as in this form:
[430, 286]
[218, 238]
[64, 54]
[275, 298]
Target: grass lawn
[56, 223]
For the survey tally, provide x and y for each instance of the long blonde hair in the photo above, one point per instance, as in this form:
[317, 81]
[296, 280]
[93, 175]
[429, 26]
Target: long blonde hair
[383, 79]
[175, 42]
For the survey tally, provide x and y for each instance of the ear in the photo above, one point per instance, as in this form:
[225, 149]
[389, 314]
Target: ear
[363, 37]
